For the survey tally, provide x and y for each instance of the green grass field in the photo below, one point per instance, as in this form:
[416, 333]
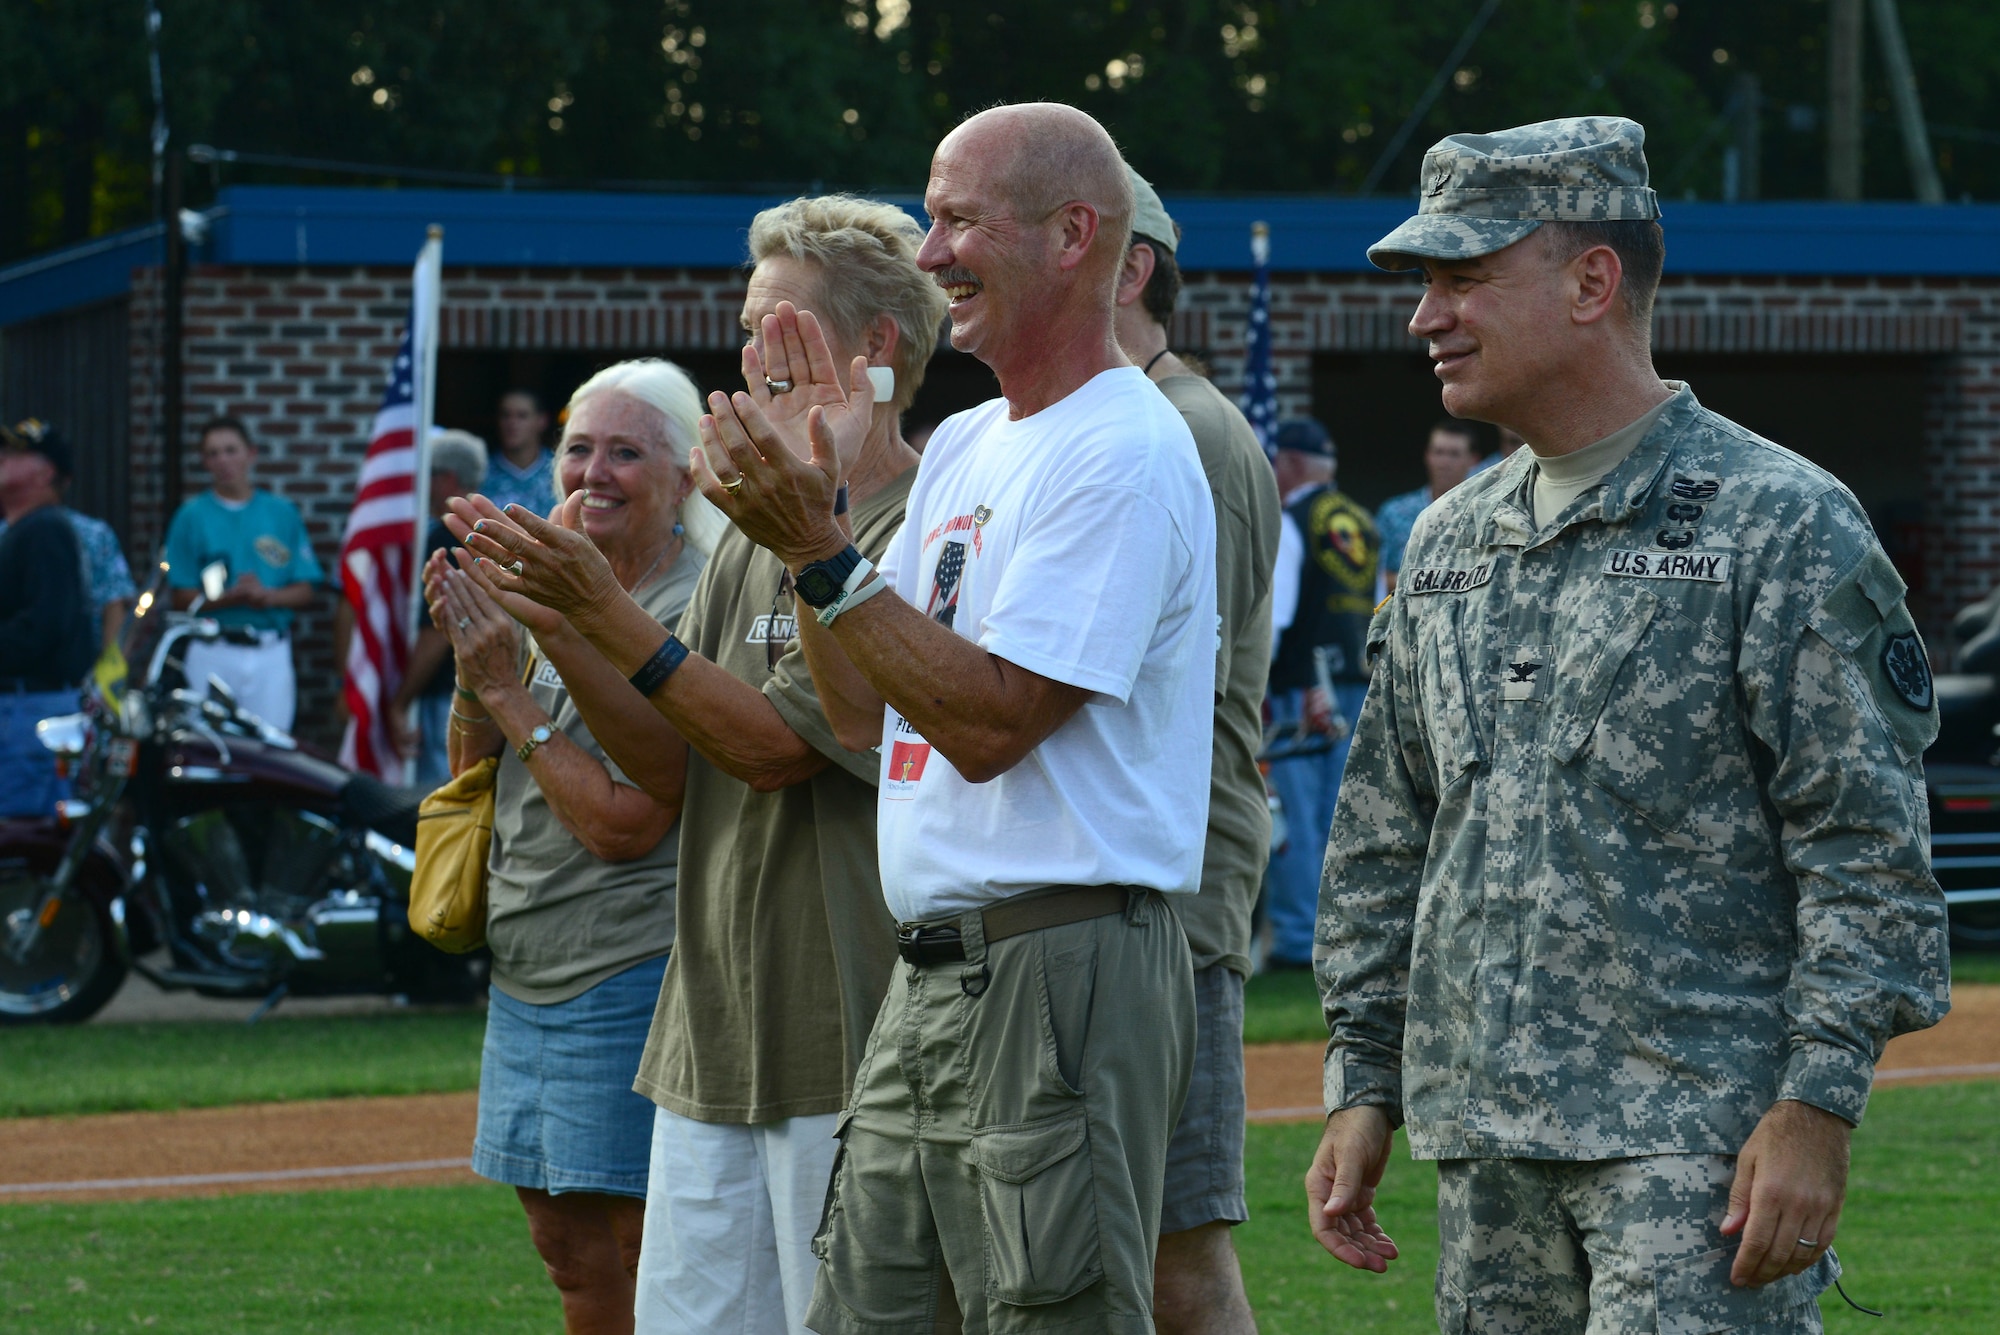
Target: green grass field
[121, 1067]
[205, 1064]
[1923, 1208]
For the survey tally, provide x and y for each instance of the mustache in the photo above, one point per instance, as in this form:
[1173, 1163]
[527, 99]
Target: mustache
[952, 277]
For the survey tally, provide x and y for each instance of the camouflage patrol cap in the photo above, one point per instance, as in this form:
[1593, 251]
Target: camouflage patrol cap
[1149, 215]
[1484, 192]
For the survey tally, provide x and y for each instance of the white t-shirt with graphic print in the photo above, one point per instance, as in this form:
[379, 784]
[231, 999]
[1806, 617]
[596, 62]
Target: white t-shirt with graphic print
[1078, 543]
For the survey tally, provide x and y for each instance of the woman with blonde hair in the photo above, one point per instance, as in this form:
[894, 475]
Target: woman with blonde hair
[582, 875]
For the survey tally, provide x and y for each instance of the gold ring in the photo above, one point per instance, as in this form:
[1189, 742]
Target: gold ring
[733, 485]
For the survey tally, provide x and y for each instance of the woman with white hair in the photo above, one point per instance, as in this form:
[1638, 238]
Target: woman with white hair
[581, 880]
[785, 944]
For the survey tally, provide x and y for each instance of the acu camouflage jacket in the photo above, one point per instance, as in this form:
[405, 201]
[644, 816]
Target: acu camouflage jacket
[1633, 839]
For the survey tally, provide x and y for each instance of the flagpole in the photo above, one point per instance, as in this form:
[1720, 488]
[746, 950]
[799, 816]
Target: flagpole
[425, 282]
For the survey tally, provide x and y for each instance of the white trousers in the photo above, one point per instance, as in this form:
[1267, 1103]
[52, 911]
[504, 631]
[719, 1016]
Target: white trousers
[730, 1215]
[260, 675]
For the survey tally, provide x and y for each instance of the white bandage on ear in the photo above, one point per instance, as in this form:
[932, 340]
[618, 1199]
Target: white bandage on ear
[884, 380]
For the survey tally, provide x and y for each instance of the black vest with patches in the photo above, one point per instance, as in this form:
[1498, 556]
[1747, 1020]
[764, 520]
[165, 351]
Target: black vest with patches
[1336, 591]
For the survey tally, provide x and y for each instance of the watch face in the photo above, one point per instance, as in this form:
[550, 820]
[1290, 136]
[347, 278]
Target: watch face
[542, 732]
[816, 586]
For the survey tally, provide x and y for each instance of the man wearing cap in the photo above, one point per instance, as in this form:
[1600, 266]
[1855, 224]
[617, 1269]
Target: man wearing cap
[1197, 1283]
[46, 639]
[1324, 591]
[1628, 883]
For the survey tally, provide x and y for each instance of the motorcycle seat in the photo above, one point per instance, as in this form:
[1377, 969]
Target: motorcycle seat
[388, 810]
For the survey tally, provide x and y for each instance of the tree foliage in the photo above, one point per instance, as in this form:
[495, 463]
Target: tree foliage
[1272, 96]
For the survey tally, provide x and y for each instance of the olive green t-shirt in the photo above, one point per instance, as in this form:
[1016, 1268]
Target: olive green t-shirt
[785, 944]
[1246, 551]
[559, 919]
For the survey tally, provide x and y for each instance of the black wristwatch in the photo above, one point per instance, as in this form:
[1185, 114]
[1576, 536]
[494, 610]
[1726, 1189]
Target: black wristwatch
[821, 582]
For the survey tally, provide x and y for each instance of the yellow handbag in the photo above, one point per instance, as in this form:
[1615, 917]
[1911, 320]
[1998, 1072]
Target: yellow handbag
[454, 838]
[454, 841]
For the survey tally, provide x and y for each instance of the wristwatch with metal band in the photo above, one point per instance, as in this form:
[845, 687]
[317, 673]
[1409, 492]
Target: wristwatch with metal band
[541, 733]
[821, 582]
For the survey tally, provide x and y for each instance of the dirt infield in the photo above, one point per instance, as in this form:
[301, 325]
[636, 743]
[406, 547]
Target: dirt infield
[427, 1138]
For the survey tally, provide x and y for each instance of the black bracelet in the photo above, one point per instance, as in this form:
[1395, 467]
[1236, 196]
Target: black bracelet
[840, 500]
[654, 672]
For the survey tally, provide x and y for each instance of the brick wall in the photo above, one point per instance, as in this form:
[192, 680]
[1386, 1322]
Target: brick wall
[299, 354]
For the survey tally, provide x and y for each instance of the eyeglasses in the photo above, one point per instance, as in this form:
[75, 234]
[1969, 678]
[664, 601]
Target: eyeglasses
[774, 640]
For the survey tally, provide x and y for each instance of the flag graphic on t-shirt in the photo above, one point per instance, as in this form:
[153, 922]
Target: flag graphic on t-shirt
[907, 759]
[944, 585]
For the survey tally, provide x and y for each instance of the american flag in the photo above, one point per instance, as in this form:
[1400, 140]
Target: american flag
[379, 551]
[1260, 384]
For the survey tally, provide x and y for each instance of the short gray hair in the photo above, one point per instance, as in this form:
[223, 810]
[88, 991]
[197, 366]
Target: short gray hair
[866, 254]
[459, 453]
[665, 386]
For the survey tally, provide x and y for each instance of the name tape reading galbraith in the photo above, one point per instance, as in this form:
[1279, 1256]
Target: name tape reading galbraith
[1710, 566]
[1438, 579]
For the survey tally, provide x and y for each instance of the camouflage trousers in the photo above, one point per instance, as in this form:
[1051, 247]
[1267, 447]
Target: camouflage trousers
[1552, 1247]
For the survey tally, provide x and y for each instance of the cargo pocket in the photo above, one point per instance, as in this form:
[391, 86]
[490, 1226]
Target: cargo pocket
[1040, 1206]
[1643, 705]
[1693, 1296]
[830, 1210]
[1450, 709]
[1453, 1313]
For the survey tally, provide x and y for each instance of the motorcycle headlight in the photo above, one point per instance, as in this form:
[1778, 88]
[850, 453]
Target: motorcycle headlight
[68, 735]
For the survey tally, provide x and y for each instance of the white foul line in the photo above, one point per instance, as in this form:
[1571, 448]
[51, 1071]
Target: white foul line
[1920, 1072]
[220, 1179]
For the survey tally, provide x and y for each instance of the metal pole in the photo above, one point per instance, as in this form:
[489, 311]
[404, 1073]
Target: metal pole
[173, 286]
[1843, 100]
[1417, 113]
[1749, 136]
[1909, 109]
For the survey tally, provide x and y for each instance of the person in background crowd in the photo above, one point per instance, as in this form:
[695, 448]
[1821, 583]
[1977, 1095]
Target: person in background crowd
[581, 890]
[1510, 440]
[111, 588]
[1197, 1282]
[47, 639]
[1328, 551]
[522, 471]
[458, 465]
[261, 541]
[1448, 454]
[1042, 690]
[785, 943]
[1630, 880]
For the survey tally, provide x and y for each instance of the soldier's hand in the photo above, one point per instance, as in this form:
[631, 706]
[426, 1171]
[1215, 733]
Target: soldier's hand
[1340, 1188]
[1791, 1180]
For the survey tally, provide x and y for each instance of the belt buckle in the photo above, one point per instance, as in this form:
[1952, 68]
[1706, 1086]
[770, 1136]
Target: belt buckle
[925, 944]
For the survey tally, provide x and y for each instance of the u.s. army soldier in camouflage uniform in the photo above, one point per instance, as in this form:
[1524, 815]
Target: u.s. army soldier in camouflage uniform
[1629, 882]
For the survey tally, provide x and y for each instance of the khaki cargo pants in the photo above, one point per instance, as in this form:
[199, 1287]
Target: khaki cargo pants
[1002, 1154]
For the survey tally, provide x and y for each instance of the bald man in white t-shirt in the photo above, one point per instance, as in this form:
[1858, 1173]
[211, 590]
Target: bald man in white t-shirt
[1041, 687]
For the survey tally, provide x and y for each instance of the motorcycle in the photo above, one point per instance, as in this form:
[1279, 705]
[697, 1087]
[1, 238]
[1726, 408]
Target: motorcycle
[263, 870]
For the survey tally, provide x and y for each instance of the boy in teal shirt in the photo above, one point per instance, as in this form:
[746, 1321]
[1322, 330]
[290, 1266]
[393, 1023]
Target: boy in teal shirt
[261, 540]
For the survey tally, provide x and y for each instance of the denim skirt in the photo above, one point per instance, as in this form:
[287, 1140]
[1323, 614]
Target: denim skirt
[556, 1107]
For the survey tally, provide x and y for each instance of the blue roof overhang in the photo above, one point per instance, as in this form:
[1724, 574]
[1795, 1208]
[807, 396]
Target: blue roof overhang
[326, 226]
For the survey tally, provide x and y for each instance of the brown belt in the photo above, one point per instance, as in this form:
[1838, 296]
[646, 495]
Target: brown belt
[929, 943]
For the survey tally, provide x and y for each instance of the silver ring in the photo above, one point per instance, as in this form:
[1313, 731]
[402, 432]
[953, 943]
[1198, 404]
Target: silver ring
[463, 622]
[516, 569]
[1808, 1243]
[777, 386]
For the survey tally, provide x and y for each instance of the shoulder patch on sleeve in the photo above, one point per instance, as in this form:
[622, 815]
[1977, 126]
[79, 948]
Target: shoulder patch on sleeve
[1908, 671]
[1856, 607]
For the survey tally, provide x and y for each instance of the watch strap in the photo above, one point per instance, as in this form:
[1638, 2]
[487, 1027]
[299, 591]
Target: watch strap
[537, 736]
[857, 591]
[835, 569]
